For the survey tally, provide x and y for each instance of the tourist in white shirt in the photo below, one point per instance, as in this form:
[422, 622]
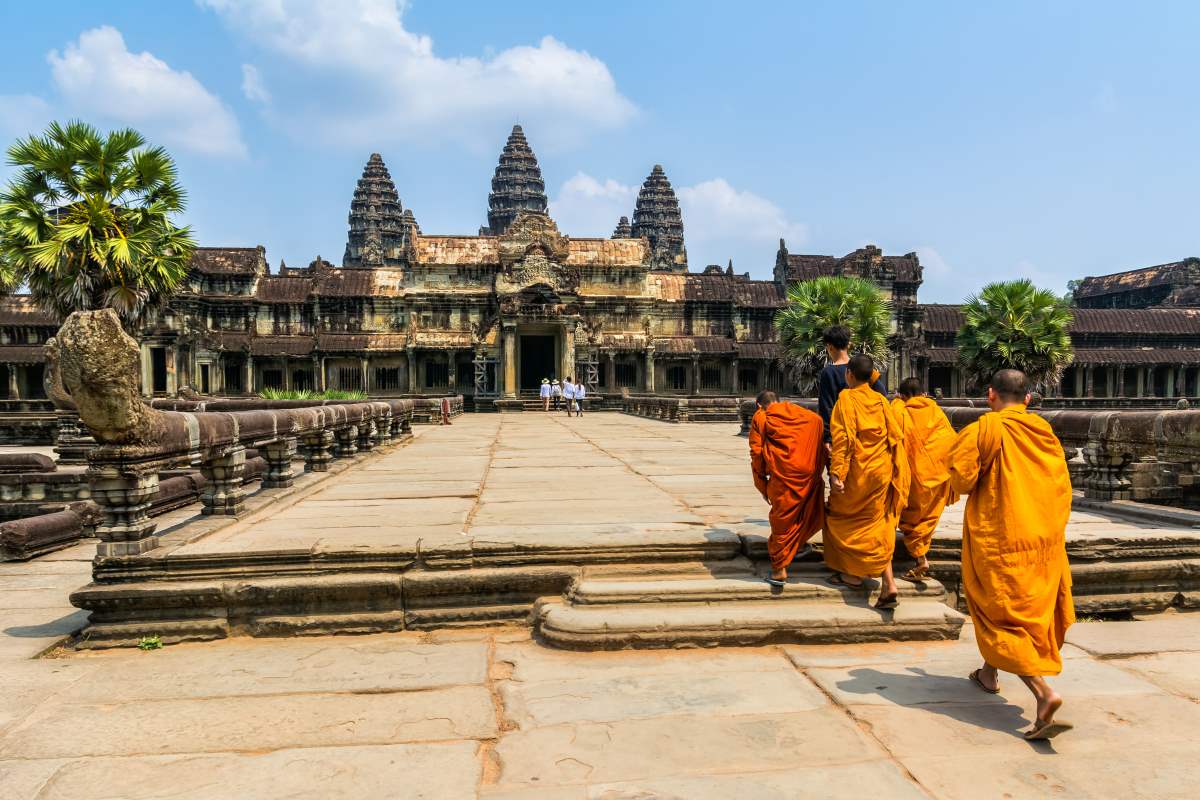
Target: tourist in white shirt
[580, 393]
[555, 392]
[569, 393]
[544, 393]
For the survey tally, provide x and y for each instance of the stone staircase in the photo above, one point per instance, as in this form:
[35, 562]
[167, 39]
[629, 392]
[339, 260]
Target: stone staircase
[732, 605]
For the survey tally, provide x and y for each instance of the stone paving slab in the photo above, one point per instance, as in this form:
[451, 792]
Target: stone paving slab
[1153, 635]
[1178, 673]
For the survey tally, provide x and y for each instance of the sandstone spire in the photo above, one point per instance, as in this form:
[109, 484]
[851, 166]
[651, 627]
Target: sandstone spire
[517, 185]
[622, 231]
[376, 219]
[657, 218]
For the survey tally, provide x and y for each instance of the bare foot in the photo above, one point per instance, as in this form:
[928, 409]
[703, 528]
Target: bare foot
[1048, 706]
[780, 575]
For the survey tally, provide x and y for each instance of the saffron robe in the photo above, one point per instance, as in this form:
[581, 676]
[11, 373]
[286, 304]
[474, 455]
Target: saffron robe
[868, 457]
[927, 441]
[787, 457]
[1014, 559]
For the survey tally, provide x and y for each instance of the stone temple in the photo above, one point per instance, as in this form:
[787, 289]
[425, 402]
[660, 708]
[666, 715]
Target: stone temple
[489, 316]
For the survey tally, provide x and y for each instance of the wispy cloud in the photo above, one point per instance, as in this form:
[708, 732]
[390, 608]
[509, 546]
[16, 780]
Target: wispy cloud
[354, 75]
[253, 86]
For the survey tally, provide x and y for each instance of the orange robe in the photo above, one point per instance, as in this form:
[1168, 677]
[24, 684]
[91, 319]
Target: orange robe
[1014, 558]
[927, 441]
[787, 455]
[868, 457]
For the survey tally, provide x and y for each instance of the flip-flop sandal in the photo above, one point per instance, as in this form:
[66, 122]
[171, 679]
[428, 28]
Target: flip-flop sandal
[1042, 731]
[974, 676]
[917, 574]
[775, 582]
[836, 580]
[891, 601]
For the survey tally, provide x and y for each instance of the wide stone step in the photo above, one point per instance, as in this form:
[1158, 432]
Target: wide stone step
[807, 586]
[657, 625]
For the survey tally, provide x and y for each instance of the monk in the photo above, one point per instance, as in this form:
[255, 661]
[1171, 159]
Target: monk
[869, 479]
[787, 457]
[1014, 559]
[928, 436]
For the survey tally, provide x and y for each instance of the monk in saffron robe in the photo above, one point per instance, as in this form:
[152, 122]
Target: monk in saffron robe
[1014, 560]
[928, 436]
[787, 457]
[869, 480]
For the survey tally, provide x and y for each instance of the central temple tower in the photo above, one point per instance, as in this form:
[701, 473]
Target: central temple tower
[517, 185]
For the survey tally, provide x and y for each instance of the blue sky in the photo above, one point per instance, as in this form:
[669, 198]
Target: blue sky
[997, 140]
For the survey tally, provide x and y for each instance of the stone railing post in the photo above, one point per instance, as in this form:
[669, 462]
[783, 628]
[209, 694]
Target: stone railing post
[124, 492]
[279, 457]
[346, 438]
[383, 429]
[681, 411]
[366, 435]
[318, 451]
[223, 495]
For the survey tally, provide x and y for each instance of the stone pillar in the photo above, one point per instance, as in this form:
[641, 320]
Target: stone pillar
[1079, 383]
[346, 442]
[610, 375]
[14, 385]
[147, 371]
[171, 356]
[223, 495]
[279, 464]
[124, 491]
[734, 388]
[509, 334]
[319, 373]
[452, 371]
[287, 374]
[249, 374]
[366, 436]
[1089, 381]
[362, 367]
[412, 369]
[650, 369]
[1141, 382]
[695, 375]
[569, 350]
[318, 451]
[1170, 382]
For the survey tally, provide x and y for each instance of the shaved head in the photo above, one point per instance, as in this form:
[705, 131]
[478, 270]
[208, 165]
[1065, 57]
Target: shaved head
[1010, 385]
[910, 387]
[765, 398]
[861, 368]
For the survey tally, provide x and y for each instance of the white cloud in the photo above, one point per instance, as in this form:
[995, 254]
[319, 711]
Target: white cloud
[252, 85]
[99, 78]
[355, 75]
[23, 114]
[719, 221]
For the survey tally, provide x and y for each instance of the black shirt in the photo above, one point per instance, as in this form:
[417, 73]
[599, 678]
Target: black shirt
[830, 384]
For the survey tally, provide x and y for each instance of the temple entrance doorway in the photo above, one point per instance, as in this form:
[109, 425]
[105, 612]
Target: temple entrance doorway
[537, 361]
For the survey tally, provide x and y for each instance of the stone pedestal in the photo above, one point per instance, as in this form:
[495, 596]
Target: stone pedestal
[279, 457]
[71, 441]
[124, 492]
[224, 495]
[366, 436]
[346, 442]
[318, 451]
[383, 431]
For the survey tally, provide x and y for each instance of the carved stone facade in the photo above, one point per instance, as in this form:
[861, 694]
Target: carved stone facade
[517, 186]
[657, 219]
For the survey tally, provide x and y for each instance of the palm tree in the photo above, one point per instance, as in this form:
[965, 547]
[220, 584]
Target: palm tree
[1015, 325]
[812, 306]
[86, 222]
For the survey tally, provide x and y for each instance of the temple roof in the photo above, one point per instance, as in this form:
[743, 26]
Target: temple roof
[240, 261]
[517, 185]
[19, 309]
[1130, 280]
[687, 345]
[379, 282]
[377, 225]
[284, 289]
[22, 354]
[942, 318]
[713, 288]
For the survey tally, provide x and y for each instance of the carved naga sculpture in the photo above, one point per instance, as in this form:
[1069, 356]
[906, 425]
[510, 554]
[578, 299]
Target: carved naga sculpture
[97, 366]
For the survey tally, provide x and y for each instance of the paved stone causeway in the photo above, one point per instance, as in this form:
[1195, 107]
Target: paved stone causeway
[489, 713]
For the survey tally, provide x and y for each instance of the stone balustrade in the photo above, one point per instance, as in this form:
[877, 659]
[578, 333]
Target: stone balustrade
[27, 422]
[681, 409]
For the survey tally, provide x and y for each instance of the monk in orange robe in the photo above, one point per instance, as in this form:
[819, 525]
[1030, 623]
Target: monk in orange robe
[787, 457]
[869, 480]
[1014, 559]
[928, 436]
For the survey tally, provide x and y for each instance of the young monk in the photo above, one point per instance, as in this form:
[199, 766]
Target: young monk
[1014, 559]
[928, 436]
[787, 457]
[869, 479]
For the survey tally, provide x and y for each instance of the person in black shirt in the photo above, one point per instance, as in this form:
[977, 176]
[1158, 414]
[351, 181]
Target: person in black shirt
[833, 378]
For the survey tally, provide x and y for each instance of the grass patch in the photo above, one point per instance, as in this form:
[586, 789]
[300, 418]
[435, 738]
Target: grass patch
[308, 394]
[150, 643]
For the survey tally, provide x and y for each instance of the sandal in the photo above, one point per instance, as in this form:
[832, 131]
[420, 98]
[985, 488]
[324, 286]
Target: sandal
[1042, 731]
[975, 679]
[891, 601]
[917, 574]
[776, 582]
[836, 579]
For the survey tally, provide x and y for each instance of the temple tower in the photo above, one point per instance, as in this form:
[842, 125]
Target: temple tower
[622, 231]
[517, 185]
[376, 220]
[657, 218]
